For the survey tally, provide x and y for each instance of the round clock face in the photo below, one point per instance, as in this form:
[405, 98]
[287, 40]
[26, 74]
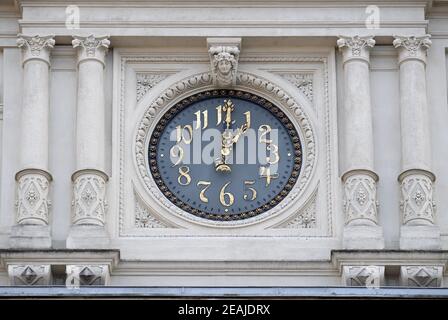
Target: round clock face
[225, 155]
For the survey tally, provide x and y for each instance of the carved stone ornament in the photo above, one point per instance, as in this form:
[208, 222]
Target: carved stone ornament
[363, 276]
[146, 81]
[303, 82]
[36, 47]
[360, 201]
[412, 47]
[245, 81]
[421, 276]
[29, 275]
[355, 47]
[144, 218]
[89, 197]
[305, 219]
[417, 204]
[224, 64]
[91, 47]
[87, 275]
[32, 202]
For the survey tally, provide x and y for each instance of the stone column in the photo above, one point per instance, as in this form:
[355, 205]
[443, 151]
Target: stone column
[361, 230]
[418, 230]
[33, 180]
[89, 181]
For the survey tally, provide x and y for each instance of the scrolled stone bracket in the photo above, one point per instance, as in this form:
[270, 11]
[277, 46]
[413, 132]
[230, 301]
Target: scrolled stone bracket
[421, 276]
[30, 275]
[363, 276]
[87, 275]
[224, 55]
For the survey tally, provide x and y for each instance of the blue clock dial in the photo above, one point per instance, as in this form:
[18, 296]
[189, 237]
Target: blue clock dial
[225, 155]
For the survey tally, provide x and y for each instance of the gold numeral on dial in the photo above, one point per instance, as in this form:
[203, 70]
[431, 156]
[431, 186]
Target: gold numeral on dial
[252, 190]
[265, 172]
[176, 151]
[202, 193]
[180, 134]
[247, 114]
[198, 119]
[274, 157]
[264, 129]
[226, 198]
[219, 114]
[184, 178]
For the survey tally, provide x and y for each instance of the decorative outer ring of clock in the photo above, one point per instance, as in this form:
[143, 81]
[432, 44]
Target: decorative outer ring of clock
[185, 103]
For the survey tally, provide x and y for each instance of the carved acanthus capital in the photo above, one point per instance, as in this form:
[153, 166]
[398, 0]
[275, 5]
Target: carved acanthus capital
[36, 47]
[33, 202]
[91, 47]
[224, 55]
[356, 47]
[421, 276]
[29, 275]
[363, 276]
[87, 275]
[412, 47]
[417, 204]
[89, 203]
[360, 203]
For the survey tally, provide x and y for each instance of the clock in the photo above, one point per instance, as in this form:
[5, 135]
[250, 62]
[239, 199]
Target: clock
[225, 155]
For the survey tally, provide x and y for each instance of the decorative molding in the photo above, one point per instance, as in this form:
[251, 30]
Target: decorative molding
[33, 204]
[305, 218]
[360, 202]
[91, 47]
[224, 55]
[29, 275]
[363, 276]
[89, 203]
[36, 47]
[146, 81]
[192, 85]
[302, 81]
[421, 276]
[412, 47]
[144, 218]
[417, 204]
[355, 47]
[88, 275]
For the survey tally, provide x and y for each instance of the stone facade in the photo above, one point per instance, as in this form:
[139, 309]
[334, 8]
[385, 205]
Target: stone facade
[82, 88]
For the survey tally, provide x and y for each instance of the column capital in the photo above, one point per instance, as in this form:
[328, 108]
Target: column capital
[91, 47]
[88, 275]
[356, 47]
[412, 47]
[35, 47]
